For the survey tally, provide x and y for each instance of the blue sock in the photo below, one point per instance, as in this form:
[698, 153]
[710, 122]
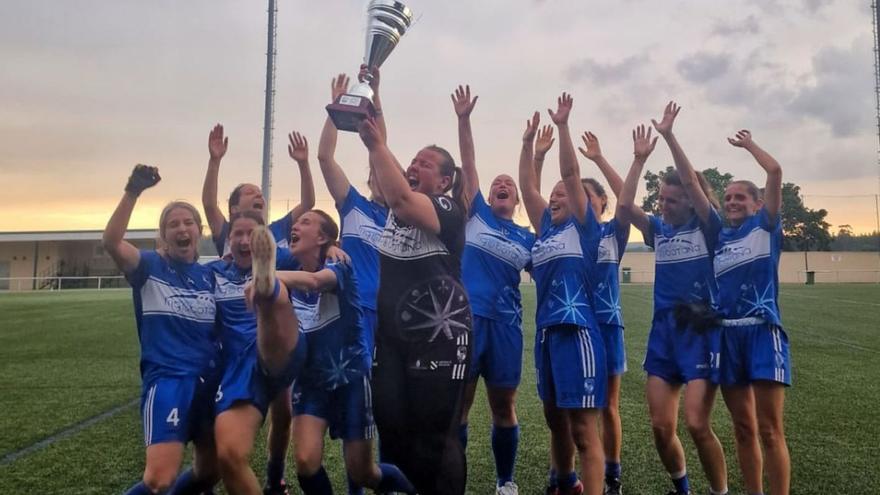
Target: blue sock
[188, 484]
[463, 435]
[274, 472]
[505, 442]
[139, 489]
[552, 479]
[393, 480]
[316, 484]
[682, 485]
[352, 488]
[567, 481]
[612, 470]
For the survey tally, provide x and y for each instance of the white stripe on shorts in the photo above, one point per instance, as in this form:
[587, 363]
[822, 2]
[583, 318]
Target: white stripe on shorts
[148, 416]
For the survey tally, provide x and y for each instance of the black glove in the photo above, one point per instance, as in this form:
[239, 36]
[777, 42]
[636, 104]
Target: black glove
[142, 177]
[699, 317]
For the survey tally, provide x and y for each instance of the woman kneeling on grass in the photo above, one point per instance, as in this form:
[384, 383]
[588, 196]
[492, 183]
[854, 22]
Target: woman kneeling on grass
[174, 310]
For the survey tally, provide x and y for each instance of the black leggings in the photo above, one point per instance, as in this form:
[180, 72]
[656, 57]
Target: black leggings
[417, 392]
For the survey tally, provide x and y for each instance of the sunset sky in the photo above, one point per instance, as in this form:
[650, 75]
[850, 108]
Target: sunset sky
[89, 88]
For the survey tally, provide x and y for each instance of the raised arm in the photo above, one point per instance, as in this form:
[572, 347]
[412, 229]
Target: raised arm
[377, 101]
[334, 176]
[298, 149]
[773, 187]
[124, 254]
[319, 281]
[528, 180]
[627, 212]
[593, 152]
[464, 105]
[410, 206]
[217, 144]
[686, 172]
[568, 164]
[543, 143]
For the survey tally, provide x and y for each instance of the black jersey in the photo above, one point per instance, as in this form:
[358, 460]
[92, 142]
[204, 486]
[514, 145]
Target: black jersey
[421, 297]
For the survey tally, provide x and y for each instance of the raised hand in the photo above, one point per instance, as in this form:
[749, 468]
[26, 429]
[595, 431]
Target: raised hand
[217, 143]
[563, 108]
[743, 139]
[298, 149]
[544, 141]
[369, 132]
[532, 127]
[643, 145]
[374, 72]
[462, 102]
[142, 177]
[338, 86]
[591, 150]
[664, 127]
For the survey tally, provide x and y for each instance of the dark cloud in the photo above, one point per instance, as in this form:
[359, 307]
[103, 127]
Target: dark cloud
[601, 73]
[703, 66]
[841, 94]
[727, 28]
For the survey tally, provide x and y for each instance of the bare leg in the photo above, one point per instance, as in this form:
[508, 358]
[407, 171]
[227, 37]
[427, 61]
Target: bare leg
[612, 431]
[740, 402]
[663, 407]
[235, 430]
[699, 396]
[308, 443]
[770, 401]
[585, 433]
[163, 463]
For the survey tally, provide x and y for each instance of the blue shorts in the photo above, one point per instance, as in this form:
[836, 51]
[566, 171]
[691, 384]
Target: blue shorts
[679, 355]
[615, 352]
[754, 352]
[177, 409]
[372, 320]
[497, 353]
[348, 410]
[570, 365]
[244, 379]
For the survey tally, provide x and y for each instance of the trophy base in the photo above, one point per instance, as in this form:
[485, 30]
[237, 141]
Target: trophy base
[348, 111]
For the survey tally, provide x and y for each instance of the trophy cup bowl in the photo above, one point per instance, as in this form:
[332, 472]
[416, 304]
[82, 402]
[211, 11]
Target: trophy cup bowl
[387, 22]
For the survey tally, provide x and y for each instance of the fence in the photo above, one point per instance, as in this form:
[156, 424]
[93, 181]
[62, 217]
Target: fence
[62, 283]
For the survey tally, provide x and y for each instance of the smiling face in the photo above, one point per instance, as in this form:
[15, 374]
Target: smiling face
[181, 233]
[307, 238]
[740, 202]
[675, 207]
[558, 204]
[503, 196]
[250, 198]
[240, 240]
[424, 173]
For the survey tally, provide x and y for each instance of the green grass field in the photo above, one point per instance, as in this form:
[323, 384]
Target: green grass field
[67, 357]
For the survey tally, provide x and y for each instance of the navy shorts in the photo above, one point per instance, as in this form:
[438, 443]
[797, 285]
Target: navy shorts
[570, 365]
[615, 352]
[177, 408]
[754, 352]
[679, 355]
[348, 410]
[497, 353]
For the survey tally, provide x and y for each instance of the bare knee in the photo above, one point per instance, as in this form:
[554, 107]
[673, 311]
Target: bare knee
[307, 463]
[663, 430]
[771, 434]
[745, 430]
[232, 458]
[158, 479]
[699, 428]
[362, 475]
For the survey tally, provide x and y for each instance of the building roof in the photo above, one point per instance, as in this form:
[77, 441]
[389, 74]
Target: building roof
[73, 235]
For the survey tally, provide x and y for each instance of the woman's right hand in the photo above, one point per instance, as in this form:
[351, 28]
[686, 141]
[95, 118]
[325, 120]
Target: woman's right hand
[531, 128]
[142, 177]
[338, 87]
[370, 134]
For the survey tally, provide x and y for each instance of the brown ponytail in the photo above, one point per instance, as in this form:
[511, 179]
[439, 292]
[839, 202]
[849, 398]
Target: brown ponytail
[449, 169]
[330, 230]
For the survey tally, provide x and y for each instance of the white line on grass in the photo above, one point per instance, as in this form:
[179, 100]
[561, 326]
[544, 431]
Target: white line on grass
[18, 454]
[848, 301]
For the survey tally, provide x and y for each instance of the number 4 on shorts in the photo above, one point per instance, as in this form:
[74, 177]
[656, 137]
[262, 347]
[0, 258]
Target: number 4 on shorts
[172, 417]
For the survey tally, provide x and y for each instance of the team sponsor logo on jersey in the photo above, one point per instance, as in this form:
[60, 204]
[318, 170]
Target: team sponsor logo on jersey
[755, 245]
[316, 314]
[564, 243]
[358, 224]
[227, 289]
[608, 250]
[683, 246]
[444, 202]
[405, 242]
[496, 243]
[160, 298]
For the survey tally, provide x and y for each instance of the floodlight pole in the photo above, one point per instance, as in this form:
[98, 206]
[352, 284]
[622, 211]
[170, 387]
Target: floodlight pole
[269, 110]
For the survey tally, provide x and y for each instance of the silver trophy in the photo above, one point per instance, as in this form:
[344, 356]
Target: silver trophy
[387, 21]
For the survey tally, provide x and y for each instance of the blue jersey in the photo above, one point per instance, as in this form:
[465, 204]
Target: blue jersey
[334, 327]
[496, 251]
[747, 268]
[238, 324]
[607, 283]
[175, 314]
[362, 222]
[564, 262]
[280, 229]
[683, 261]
